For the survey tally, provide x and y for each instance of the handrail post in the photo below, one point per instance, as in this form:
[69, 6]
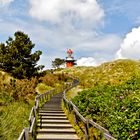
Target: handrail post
[75, 117]
[86, 129]
[46, 97]
[26, 133]
[30, 136]
[68, 107]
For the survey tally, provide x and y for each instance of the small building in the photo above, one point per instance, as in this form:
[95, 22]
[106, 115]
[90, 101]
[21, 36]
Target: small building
[70, 62]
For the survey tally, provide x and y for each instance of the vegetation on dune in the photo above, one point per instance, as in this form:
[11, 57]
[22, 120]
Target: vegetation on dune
[13, 118]
[111, 96]
[55, 80]
[112, 73]
[17, 98]
[16, 90]
[117, 108]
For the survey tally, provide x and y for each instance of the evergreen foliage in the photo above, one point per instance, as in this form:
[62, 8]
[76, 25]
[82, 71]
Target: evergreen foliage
[58, 62]
[16, 56]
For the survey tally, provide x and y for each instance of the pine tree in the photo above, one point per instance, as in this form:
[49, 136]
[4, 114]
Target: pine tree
[58, 62]
[16, 56]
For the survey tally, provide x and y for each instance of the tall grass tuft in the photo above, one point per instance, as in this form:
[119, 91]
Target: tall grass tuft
[13, 118]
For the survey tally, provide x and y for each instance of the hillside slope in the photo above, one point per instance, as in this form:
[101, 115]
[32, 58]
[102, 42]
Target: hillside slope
[111, 96]
[17, 98]
[111, 73]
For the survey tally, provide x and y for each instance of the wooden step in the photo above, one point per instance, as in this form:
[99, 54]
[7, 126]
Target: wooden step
[57, 137]
[54, 130]
[53, 121]
[51, 114]
[54, 125]
[53, 117]
[53, 109]
[54, 106]
[50, 111]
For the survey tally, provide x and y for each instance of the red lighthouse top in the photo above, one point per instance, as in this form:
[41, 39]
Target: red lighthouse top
[69, 59]
[69, 52]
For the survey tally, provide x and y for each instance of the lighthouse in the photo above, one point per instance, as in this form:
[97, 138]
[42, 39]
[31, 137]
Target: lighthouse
[70, 62]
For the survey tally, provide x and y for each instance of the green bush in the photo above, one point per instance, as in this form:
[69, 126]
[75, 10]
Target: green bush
[117, 108]
[42, 88]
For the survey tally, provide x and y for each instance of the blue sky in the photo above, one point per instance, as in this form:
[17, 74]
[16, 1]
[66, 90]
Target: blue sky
[97, 30]
[121, 16]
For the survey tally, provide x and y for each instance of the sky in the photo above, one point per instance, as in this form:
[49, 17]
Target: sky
[96, 30]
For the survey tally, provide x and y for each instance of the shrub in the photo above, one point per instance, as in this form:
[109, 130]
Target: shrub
[116, 108]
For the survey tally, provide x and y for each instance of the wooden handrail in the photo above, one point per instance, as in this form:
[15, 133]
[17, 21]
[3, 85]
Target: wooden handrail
[30, 116]
[32, 126]
[102, 129]
[28, 132]
[84, 120]
[24, 134]
[108, 137]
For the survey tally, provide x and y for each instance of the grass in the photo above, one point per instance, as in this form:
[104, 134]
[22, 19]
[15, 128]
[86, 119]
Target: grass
[70, 116]
[13, 119]
[112, 73]
[42, 88]
[73, 92]
[17, 98]
[108, 74]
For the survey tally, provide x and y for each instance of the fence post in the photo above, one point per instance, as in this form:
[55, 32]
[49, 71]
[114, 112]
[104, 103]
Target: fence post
[26, 136]
[86, 129]
[46, 97]
[29, 136]
[43, 98]
[68, 106]
[75, 117]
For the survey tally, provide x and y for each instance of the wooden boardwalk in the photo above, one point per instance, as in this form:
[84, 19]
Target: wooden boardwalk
[53, 123]
[49, 122]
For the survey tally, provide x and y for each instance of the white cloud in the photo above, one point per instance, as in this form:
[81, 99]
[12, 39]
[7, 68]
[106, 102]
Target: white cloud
[130, 47]
[108, 43]
[86, 61]
[57, 11]
[55, 43]
[54, 39]
[5, 2]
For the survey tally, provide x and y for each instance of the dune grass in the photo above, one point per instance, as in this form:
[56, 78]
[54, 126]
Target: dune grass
[13, 118]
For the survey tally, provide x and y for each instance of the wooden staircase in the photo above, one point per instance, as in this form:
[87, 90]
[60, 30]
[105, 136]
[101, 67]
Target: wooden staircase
[53, 123]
